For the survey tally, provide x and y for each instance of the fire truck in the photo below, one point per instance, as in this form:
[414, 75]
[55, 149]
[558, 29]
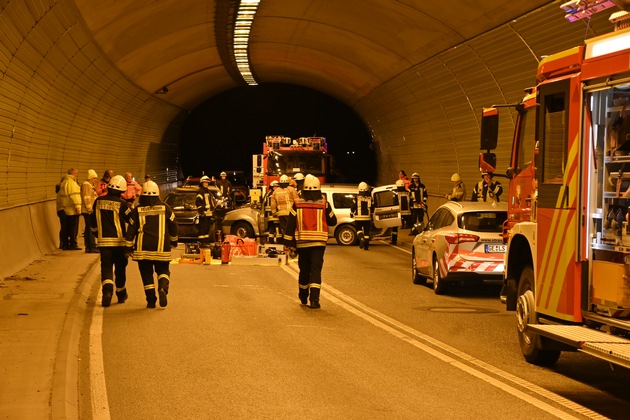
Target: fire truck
[284, 156]
[567, 265]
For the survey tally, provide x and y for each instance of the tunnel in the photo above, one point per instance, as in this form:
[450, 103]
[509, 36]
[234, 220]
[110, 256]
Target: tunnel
[111, 84]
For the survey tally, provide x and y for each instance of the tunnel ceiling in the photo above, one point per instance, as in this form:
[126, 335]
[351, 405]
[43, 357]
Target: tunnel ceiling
[345, 48]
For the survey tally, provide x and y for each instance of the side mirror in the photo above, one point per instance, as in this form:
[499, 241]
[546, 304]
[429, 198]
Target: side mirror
[489, 129]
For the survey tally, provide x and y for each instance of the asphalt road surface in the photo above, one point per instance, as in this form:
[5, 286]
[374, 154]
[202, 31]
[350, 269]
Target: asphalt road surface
[234, 342]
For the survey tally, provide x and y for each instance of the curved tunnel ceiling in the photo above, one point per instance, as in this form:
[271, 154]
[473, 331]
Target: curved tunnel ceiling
[81, 81]
[343, 48]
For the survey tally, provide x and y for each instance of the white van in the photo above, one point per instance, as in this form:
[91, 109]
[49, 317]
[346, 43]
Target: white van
[386, 207]
[340, 197]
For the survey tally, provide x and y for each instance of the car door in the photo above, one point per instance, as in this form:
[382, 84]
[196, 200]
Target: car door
[426, 239]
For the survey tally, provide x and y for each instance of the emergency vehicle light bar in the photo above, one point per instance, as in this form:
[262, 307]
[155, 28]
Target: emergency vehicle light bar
[580, 9]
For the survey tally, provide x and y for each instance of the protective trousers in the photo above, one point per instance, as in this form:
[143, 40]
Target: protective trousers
[146, 268]
[114, 266]
[363, 232]
[310, 262]
[204, 230]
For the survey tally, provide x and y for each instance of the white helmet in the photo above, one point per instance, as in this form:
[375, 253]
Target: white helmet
[299, 176]
[400, 183]
[284, 180]
[311, 183]
[274, 183]
[363, 187]
[151, 188]
[204, 178]
[415, 175]
[455, 177]
[117, 183]
[222, 174]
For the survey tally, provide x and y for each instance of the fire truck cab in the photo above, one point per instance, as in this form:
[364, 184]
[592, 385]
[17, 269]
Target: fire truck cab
[567, 265]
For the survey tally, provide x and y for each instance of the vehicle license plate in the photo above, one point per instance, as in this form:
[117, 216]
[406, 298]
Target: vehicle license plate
[495, 249]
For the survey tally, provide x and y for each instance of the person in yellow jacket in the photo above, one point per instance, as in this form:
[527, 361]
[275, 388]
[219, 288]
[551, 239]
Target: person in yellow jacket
[307, 231]
[88, 195]
[69, 200]
[282, 200]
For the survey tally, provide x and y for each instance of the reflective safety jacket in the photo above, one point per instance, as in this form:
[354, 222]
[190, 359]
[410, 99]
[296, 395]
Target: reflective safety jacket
[485, 192]
[404, 200]
[108, 218]
[281, 201]
[419, 195]
[204, 202]
[308, 223]
[152, 229]
[362, 208]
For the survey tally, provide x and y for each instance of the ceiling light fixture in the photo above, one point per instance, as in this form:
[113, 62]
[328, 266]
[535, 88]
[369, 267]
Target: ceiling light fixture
[242, 29]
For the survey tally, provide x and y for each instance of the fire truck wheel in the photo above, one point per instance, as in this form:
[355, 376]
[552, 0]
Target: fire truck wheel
[530, 343]
[346, 235]
[439, 286]
[242, 230]
[415, 275]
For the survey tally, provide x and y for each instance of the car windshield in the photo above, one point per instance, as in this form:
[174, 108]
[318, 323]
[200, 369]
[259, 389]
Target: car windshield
[178, 201]
[289, 163]
[482, 221]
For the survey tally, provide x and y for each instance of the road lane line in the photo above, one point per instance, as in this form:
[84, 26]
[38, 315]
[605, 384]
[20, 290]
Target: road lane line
[98, 388]
[442, 350]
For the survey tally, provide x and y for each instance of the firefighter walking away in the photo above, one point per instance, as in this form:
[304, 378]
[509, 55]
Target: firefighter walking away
[307, 231]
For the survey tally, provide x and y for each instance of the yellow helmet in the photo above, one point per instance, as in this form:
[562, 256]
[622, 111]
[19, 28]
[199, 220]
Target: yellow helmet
[455, 177]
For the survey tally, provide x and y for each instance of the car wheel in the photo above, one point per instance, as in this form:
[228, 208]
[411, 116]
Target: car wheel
[526, 314]
[346, 235]
[439, 286]
[242, 230]
[415, 275]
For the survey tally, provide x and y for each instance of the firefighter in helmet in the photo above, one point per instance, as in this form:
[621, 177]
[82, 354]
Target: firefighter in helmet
[419, 195]
[309, 237]
[282, 200]
[153, 231]
[225, 186]
[299, 183]
[487, 189]
[459, 189]
[404, 201]
[110, 213]
[272, 220]
[204, 201]
[361, 211]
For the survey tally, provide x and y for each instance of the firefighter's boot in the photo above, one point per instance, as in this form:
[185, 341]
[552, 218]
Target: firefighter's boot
[122, 295]
[163, 291]
[108, 292]
[151, 298]
[366, 245]
[361, 240]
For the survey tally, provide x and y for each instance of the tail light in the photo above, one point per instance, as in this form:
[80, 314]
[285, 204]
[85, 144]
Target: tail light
[458, 238]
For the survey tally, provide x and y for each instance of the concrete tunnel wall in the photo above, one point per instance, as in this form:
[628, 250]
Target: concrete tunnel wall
[63, 104]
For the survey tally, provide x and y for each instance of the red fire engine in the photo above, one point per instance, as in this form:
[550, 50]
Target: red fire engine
[567, 265]
[284, 156]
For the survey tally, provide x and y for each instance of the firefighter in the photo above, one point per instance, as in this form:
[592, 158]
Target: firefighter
[309, 237]
[282, 200]
[459, 189]
[419, 195]
[152, 232]
[225, 186]
[272, 220]
[487, 189]
[404, 201]
[109, 216]
[205, 204]
[299, 183]
[361, 211]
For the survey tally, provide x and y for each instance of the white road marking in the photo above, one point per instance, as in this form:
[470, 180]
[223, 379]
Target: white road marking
[100, 404]
[444, 352]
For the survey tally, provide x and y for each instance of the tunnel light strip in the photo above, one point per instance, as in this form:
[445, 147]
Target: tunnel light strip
[242, 28]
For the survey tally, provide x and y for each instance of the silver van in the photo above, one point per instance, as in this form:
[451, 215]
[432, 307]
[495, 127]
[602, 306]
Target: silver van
[341, 197]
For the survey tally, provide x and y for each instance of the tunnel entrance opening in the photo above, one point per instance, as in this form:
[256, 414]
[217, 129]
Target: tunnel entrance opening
[226, 130]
